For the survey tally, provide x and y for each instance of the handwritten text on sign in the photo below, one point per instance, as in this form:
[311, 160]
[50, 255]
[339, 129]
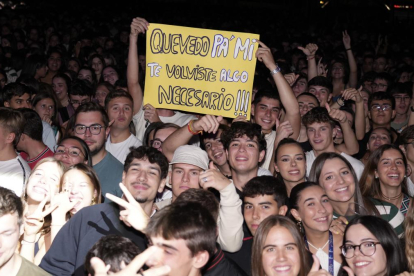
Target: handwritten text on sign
[199, 70]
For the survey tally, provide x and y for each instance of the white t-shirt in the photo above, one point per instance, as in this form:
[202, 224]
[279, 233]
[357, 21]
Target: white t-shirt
[410, 186]
[357, 165]
[262, 171]
[48, 136]
[180, 119]
[121, 150]
[14, 174]
[270, 144]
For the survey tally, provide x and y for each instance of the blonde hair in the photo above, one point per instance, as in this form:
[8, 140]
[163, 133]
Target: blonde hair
[409, 236]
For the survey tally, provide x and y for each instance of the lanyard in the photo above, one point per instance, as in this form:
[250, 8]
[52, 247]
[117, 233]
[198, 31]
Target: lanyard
[331, 257]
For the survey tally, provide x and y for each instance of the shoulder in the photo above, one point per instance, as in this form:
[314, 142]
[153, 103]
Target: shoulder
[28, 268]
[110, 160]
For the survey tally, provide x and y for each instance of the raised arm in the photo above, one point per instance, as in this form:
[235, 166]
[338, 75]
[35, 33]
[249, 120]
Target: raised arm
[310, 52]
[355, 95]
[207, 123]
[287, 97]
[138, 25]
[353, 77]
[350, 145]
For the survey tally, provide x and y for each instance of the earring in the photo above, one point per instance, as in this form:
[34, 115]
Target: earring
[93, 201]
[299, 224]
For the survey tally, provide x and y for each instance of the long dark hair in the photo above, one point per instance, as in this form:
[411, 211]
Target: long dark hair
[316, 171]
[396, 262]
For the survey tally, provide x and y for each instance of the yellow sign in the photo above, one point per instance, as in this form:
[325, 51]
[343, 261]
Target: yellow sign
[201, 71]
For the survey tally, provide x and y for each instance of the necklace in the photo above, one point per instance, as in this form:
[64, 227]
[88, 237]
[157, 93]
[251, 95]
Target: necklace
[321, 248]
[391, 198]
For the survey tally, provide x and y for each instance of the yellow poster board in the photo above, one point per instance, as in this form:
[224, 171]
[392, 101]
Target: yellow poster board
[199, 70]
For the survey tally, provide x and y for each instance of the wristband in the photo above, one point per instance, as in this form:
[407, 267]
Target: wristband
[190, 128]
[340, 101]
[310, 57]
[348, 49]
[276, 70]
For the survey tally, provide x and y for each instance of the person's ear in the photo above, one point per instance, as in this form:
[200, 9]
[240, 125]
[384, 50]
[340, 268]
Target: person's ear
[283, 210]
[162, 185]
[6, 104]
[123, 176]
[252, 110]
[295, 214]
[200, 259]
[375, 174]
[10, 138]
[329, 98]
[276, 168]
[393, 114]
[367, 146]
[334, 132]
[262, 155]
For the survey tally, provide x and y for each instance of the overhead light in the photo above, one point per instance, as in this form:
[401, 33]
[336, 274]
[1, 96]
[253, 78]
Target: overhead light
[388, 8]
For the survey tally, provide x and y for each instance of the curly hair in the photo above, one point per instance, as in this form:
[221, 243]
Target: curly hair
[153, 155]
[317, 115]
[239, 129]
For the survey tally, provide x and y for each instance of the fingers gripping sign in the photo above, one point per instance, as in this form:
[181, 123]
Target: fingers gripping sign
[207, 123]
[133, 214]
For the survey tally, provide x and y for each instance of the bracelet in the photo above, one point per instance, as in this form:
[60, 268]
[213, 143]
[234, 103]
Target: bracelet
[24, 241]
[276, 70]
[310, 57]
[190, 128]
[340, 102]
[348, 49]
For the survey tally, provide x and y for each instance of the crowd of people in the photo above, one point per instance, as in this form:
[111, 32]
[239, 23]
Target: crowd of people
[94, 181]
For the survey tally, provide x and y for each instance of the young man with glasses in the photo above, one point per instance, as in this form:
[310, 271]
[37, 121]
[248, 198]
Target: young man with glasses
[382, 82]
[119, 107]
[382, 110]
[92, 126]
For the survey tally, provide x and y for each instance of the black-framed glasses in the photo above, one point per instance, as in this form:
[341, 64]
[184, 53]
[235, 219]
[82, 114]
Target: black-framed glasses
[94, 129]
[366, 248]
[72, 151]
[377, 107]
[156, 143]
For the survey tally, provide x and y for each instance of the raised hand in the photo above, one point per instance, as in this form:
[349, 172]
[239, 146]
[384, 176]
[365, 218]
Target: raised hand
[133, 215]
[64, 205]
[353, 95]
[315, 271]
[207, 123]
[134, 267]
[240, 118]
[322, 68]
[310, 49]
[264, 55]
[291, 78]
[338, 225]
[150, 114]
[336, 114]
[33, 223]
[139, 25]
[213, 178]
[346, 39]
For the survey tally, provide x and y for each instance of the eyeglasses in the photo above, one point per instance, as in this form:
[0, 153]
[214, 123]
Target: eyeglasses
[366, 249]
[76, 102]
[156, 143]
[402, 99]
[380, 85]
[74, 152]
[377, 107]
[94, 129]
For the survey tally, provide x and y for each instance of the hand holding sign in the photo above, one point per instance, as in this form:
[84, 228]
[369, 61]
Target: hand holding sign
[265, 55]
[133, 215]
[207, 123]
[150, 114]
[139, 25]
